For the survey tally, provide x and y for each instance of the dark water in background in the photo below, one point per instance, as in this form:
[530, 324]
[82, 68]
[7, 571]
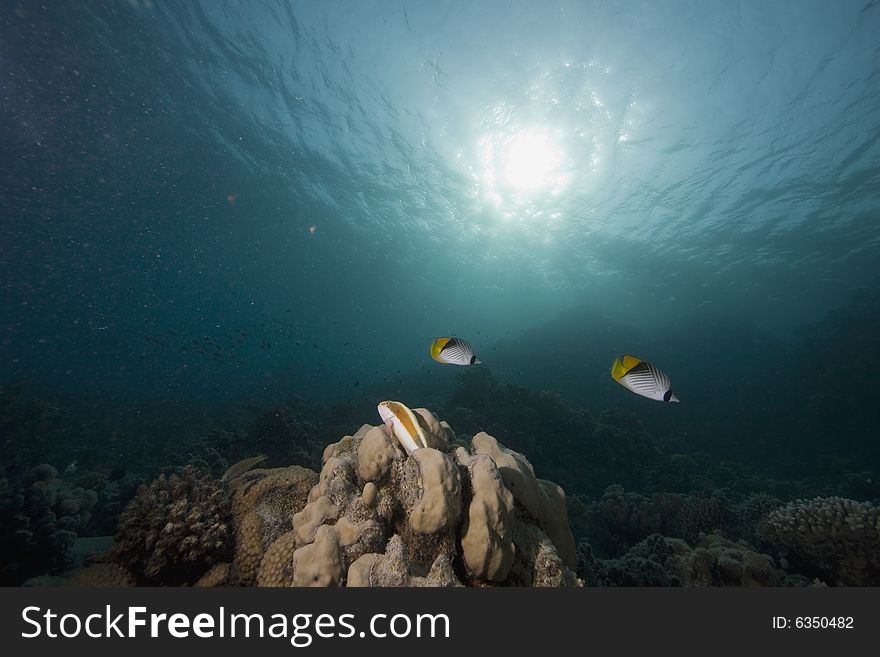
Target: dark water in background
[214, 207]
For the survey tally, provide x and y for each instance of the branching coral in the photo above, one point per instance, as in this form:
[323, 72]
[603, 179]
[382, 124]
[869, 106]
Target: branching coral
[832, 538]
[174, 529]
[663, 561]
[698, 515]
[621, 517]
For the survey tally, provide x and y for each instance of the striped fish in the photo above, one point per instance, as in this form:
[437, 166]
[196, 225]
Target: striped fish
[403, 425]
[643, 379]
[453, 351]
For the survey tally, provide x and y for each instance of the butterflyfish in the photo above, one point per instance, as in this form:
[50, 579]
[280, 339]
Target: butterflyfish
[642, 378]
[453, 351]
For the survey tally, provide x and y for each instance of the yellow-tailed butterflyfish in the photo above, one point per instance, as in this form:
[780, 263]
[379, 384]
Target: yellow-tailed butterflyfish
[643, 379]
[453, 351]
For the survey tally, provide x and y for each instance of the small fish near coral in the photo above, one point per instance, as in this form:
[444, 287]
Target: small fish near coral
[403, 425]
[453, 351]
[239, 468]
[642, 378]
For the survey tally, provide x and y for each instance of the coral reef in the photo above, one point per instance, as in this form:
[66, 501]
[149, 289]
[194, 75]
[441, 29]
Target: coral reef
[450, 514]
[831, 538]
[40, 515]
[618, 520]
[464, 510]
[101, 575]
[487, 548]
[217, 576]
[623, 518]
[264, 503]
[174, 529]
[664, 561]
[696, 515]
[744, 516]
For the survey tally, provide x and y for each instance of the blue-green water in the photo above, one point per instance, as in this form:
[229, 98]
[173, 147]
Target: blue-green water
[213, 206]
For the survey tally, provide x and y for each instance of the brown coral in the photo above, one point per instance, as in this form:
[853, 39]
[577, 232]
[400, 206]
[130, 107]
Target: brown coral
[276, 567]
[392, 568]
[380, 517]
[486, 544]
[263, 504]
[543, 500]
[374, 516]
[217, 576]
[101, 575]
[174, 529]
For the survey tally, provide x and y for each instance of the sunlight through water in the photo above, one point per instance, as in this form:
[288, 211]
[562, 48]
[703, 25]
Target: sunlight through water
[530, 161]
[519, 167]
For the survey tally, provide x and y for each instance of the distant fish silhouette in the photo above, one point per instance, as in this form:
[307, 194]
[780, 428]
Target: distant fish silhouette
[239, 468]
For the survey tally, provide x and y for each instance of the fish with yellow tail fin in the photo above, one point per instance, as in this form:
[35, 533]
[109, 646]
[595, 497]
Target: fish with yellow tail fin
[643, 379]
[453, 351]
[403, 425]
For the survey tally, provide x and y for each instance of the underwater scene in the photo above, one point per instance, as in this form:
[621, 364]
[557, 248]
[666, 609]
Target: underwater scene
[391, 293]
